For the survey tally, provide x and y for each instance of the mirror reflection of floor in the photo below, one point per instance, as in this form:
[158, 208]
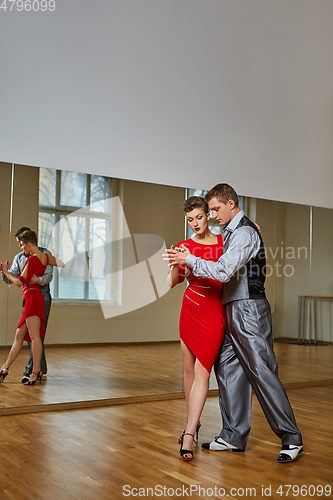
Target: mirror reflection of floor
[83, 373]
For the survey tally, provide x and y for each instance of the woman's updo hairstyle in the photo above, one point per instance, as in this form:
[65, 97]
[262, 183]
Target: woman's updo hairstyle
[195, 202]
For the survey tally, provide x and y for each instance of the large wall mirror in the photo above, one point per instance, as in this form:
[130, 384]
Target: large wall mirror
[92, 355]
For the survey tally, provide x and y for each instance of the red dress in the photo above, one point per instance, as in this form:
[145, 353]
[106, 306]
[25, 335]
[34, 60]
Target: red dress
[34, 301]
[202, 317]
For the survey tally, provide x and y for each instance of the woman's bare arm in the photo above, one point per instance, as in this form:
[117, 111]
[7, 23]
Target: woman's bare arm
[54, 261]
[10, 276]
[173, 276]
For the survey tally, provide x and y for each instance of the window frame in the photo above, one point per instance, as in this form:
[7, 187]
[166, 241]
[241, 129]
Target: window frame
[59, 211]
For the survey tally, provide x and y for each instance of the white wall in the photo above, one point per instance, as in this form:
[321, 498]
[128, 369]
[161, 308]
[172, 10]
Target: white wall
[322, 270]
[301, 271]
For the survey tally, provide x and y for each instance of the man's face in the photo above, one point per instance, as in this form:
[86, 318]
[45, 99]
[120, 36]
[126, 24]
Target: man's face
[222, 213]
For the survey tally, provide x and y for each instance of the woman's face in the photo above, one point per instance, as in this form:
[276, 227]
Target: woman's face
[198, 221]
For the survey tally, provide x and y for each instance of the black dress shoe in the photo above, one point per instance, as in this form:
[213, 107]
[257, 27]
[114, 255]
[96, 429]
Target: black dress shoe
[26, 377]
[220, 445]
[289, 453]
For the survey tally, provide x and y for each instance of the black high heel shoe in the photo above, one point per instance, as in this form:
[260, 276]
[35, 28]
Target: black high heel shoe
[196, 433]
[39, 376]
[186, 452]
[3, 374]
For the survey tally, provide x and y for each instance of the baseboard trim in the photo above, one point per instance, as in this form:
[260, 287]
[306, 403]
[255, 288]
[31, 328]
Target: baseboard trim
[100, 403]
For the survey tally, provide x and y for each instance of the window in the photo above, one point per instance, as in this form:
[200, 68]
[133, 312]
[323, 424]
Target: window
[83, 241]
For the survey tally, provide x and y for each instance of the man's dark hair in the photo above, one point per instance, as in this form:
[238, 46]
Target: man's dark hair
[28, 236]
[223, 193]
[195, 202]
[21, 230]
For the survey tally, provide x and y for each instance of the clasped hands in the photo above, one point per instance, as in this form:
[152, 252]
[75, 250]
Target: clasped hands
[177, 255]
[4, 267]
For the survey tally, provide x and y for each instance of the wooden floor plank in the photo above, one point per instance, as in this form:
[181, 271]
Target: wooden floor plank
[92, 454]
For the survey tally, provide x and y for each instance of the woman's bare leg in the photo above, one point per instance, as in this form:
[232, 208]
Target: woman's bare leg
[33, 325]
[189, 361]
[16, 347]
[197, 400]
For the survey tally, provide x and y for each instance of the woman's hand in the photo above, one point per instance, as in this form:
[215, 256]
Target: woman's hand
[172, 267]
[176, 256]
[173, 275]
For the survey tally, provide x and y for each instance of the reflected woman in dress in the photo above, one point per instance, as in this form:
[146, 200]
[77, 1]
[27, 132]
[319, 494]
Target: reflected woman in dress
[31, 326]
[202, 318]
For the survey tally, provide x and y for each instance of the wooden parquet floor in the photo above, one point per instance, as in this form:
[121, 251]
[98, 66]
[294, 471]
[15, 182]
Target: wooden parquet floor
[86, 372]
[93, 454]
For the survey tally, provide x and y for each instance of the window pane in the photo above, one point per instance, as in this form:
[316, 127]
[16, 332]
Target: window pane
[98, 192]
[45, 226]
[72, 250]
[197, 192]
[47, 187]
[99, 259]
[46, 223]
[73, 191]
[82, 241]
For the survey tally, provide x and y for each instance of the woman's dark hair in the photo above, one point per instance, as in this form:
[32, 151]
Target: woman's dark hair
[195, 202]
[28, 237]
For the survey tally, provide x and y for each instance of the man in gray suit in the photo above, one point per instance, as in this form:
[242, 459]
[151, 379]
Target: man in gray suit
[16, 269]
[246, 360]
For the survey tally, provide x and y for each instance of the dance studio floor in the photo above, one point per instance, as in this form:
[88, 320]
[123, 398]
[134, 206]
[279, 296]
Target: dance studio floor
[101, 372]
[120, 451]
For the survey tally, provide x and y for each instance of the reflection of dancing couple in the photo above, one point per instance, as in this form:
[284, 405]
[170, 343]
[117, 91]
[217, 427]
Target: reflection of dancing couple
[32, 325]
[246, 359]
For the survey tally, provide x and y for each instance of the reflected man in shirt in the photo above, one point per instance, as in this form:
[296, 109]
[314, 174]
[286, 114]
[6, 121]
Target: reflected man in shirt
[44, 281]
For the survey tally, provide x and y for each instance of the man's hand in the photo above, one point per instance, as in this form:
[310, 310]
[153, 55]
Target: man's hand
[34, 280]
[176, 256]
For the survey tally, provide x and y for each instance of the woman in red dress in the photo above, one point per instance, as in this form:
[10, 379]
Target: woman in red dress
[31, 326]
[202, 318]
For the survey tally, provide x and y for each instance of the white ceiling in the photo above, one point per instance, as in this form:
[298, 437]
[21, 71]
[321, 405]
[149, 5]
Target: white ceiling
[180, 92]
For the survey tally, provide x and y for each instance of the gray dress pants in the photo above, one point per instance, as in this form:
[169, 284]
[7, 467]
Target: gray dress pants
[247, 361]
[43, 365]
